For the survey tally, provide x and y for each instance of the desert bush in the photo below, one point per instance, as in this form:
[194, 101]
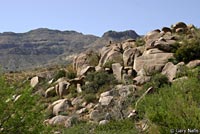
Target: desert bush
[108, 64]
[97, 80]
[140, 42]
[187, 47]
[157, 81]
[71, 73]
[90, 98]
[25, 115]
[93, 59]
[59, 74]
[173, 107]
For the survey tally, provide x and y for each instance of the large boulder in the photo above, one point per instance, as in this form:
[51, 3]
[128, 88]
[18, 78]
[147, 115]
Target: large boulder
[50, 92]
[153, 35]
[117, 71]
[179, 25]
[130, 43]
[60, 106]
[35, 81]
[110, 54]
[82, 62]
[193, 64]
[170, 70]
[105, 100]
[57, 120]
[151, 61]
[129, 55]
[61, 88]
[163, 44]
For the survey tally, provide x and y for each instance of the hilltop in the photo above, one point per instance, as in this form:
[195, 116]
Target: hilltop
[45, 47]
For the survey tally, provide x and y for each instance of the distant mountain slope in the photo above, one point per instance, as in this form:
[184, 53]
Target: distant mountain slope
[43, 46]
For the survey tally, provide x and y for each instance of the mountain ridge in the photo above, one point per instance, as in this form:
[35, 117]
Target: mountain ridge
[42, 46]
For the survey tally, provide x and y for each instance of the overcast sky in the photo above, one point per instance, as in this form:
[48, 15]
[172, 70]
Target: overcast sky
[96, 16]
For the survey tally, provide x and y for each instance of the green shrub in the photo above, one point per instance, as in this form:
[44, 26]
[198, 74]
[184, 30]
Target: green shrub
[97, 80]
[90, 98]
[26, 115]
[173, 107]
[140, 42]
[117, 127]
[71, 73]
[189, 50]
[59, 74]
[108, 64]
[93, 59]
[157, 81]
[187, 47]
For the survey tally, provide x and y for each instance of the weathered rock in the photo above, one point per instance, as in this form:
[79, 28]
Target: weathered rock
[153, 35]
[35, 80]
[82, 62]
[77, 101]
[96, 115]
[125, 90]
[82, 110]
[85, 70]
[78, 80]
[151, 61]
[105, 100]
[128, 44]
[71, 121]
[180, 79]
[110, 54]
[129, 55]
[117, 71]
[166, 29]
[57, 120]
[193, 64]
[107, 93]
[78, 88]
[178, 25]
[170, 70]
[60, 106]
[140, 80]
[50, 92]
[165, 45]
[61, 88]
[103, 122]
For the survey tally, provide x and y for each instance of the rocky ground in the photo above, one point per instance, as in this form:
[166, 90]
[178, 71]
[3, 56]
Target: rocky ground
[104, 86]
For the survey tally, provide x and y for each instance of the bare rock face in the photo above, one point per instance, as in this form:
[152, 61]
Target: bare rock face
[130, 43]
[129, 56]
[117, 71]
[61, 88]
[50, 92]
[152, 60]
[179, 25]
[82, 63]
[193, 64]
[60, 106]
[35, 80]
[166, 29]
[105, 100]
[57, 120]
[110, 54]
[170, 70]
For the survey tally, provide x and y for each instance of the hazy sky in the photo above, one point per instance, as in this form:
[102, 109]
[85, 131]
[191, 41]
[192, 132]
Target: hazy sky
[96, 16]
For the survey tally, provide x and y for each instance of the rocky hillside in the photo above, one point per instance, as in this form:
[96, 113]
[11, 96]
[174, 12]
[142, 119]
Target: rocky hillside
[150, 85]
[43, 46]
